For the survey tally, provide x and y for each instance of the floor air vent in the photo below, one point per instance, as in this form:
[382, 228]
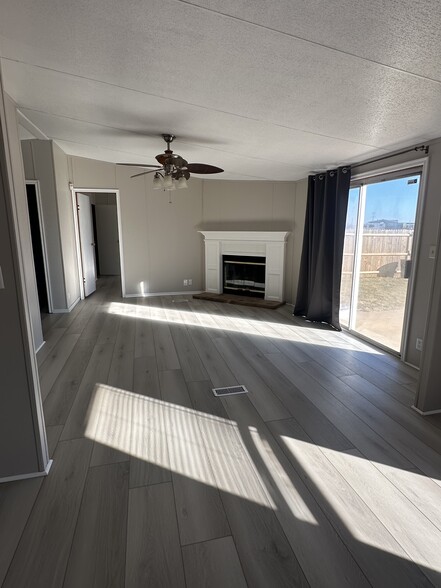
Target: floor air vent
[229, 390]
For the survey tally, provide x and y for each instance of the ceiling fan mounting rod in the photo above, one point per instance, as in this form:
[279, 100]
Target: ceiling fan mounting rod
[168, 139]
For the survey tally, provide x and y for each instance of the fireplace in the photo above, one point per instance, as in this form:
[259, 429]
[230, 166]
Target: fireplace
[268, 246]
[244, 275]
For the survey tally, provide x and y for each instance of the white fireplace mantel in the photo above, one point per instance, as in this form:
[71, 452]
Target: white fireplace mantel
[268, 244]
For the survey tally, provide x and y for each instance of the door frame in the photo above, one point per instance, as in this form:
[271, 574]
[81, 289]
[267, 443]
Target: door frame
[74, 191]
[357, 180]
[36, 183]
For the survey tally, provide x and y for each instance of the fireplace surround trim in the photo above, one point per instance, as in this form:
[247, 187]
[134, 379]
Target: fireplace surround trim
[268, 244]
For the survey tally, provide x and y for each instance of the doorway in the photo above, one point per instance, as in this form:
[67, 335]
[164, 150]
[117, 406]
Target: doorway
[98, 237]
[38, 246]
[378, 256]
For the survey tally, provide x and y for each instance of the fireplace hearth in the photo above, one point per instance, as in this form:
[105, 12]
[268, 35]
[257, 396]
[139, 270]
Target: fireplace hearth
[244, 275]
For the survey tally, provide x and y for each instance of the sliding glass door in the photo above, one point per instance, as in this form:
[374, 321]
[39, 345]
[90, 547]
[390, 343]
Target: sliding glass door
[378, 256]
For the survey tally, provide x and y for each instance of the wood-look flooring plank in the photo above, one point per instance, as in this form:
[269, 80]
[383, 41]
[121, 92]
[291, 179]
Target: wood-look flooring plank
[389, 386]
[217, 369]
[53, 433]
[234, 320]
[422, 491]
[372, 445]
[422, 456]
[200, 512]
[42, 554]
[419, 538]
[370, 356]
[204, 314]
[108, 449]
[404, 415]
[190, 362]
[266, 555]
[16, 502]
[374, 548]
[97, 557]
[149, 461]
[59, 401]
[153, 552]
[54, 363]
[145, 377]
[48, 321]
[67, 318]
[166, 356]
[121, 368]
[297, 403]
[144, 340]
[213, 563]
[266, 402]
[311, 535]
[53, 337]
[97, 372]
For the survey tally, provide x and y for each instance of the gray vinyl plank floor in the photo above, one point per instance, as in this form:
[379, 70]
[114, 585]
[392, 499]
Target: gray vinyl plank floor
[321, 475]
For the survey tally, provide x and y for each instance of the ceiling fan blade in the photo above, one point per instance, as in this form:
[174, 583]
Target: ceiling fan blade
[150, 171]
[139, 165]
[203, 168]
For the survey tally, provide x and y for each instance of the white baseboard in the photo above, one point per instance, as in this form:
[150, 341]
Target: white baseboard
[45, 472]
[150, 294]
[64, 310]
[427, 412]
[74, 303]
[37, 350]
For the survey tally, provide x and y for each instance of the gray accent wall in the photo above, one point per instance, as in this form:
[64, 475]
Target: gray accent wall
[23, 448]
[161, 245]
[46, 162]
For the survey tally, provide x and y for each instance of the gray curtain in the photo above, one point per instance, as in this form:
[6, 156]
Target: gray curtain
[318, 294]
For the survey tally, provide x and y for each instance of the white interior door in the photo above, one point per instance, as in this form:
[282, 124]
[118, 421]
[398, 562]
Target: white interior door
[107, 237]
[87, 243]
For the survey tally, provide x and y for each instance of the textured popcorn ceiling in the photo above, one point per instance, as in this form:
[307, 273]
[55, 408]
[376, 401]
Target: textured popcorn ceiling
[266, 90]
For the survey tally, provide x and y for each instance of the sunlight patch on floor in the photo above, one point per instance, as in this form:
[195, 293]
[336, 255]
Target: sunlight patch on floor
[349, 482]
[283, 491]
[225, 323]
[175, 438]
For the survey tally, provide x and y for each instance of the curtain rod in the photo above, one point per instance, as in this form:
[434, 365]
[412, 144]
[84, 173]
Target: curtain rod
[424, 148]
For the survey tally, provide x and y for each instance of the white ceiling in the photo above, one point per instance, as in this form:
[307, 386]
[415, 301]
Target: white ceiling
[266, 90]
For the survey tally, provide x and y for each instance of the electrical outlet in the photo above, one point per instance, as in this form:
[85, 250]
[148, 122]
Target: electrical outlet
[419, 344]
[190, 282]
[185, 282]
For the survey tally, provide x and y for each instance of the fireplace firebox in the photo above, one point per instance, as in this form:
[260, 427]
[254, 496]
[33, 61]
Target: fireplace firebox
[244, 275]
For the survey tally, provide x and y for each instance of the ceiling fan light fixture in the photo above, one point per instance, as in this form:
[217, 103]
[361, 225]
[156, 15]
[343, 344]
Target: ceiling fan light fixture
[157, 182]
[181, 183]
[167, 183]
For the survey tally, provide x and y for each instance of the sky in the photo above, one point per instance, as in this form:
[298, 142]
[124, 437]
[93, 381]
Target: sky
[391, 200]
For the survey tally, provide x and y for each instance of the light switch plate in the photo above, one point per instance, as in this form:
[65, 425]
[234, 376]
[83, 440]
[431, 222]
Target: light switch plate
[432, 252]
[2, 283]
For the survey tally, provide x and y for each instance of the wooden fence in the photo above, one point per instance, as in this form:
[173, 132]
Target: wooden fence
[381, 250]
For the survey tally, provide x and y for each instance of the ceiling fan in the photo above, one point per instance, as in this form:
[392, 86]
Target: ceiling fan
[174, 170]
